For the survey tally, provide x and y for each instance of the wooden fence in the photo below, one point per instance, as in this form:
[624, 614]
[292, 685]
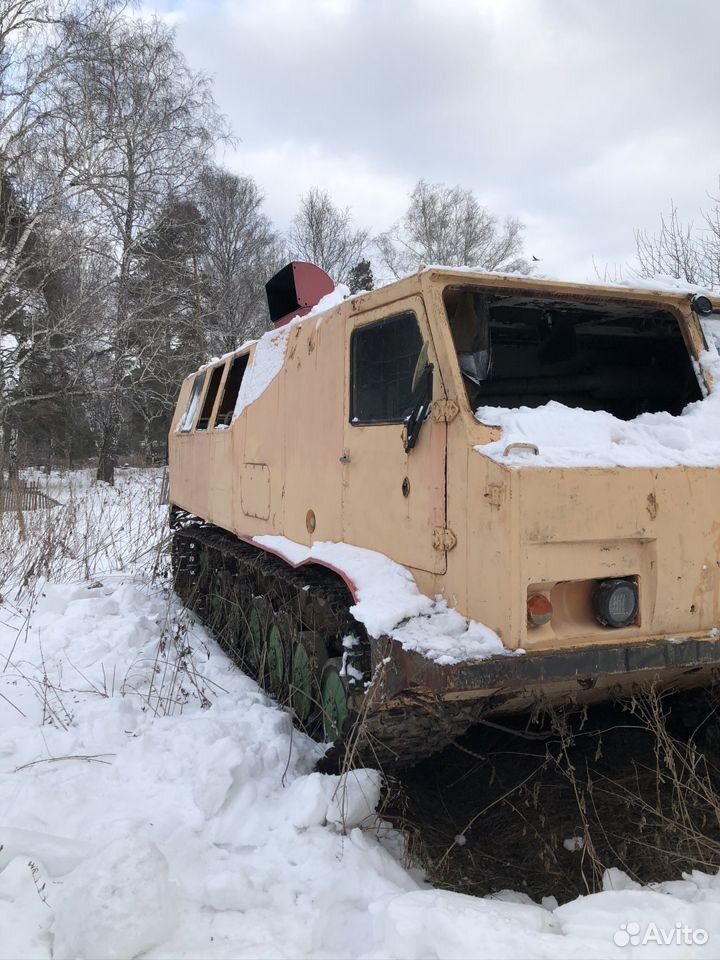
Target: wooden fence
[19, 495]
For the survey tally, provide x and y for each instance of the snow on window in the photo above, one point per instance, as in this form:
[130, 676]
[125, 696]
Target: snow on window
[193, 401]
[569, 437]
[711, 328]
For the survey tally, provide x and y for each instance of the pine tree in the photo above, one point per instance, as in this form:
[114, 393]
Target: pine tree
[361, 277]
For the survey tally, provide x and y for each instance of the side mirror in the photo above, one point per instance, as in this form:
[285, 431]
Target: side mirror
[422, 400]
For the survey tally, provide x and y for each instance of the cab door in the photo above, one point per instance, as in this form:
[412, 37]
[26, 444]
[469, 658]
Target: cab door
[393, 499]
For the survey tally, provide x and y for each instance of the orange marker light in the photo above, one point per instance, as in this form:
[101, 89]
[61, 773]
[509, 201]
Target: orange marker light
[539, 610]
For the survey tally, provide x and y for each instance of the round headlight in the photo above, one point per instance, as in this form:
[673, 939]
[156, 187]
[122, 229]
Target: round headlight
[615, 602]
[701, 305]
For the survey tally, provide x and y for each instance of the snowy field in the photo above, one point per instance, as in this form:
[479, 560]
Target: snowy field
[153, 802]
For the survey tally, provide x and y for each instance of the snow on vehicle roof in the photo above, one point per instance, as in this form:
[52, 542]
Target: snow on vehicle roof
[660, 283]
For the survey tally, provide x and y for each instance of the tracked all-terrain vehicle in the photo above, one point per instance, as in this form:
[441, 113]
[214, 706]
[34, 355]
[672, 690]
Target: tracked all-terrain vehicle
[375, 423]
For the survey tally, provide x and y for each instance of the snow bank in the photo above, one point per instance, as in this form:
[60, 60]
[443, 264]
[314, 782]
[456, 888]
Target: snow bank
[388, 602]
[205, 832]
[354, 800]
[201, 832]
[97, 908]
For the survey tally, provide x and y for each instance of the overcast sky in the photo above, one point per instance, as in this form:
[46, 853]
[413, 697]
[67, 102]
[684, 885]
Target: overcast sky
[581, 117]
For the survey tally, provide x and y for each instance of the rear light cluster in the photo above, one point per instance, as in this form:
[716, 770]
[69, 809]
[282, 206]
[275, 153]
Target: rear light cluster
[539, 610]
[614, 604]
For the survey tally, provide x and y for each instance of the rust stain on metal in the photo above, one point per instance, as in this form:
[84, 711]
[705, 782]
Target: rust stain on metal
[444, 539]
[495, 494]
[444, 411]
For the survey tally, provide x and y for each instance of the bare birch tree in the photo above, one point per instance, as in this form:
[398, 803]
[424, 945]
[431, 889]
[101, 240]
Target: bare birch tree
[682, 249]
[138, 124]
[35, 247]
[324, 234]
[449, 226]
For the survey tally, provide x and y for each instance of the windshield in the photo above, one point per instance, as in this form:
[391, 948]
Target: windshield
[525, 350]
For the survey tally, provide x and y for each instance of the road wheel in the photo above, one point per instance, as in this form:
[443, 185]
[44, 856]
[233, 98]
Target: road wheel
[237, 606]
[302, 683]
[257, 628]
[334, 702]
[275, 659]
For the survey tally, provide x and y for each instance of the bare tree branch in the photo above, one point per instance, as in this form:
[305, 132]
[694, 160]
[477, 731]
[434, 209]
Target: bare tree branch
[448, 225]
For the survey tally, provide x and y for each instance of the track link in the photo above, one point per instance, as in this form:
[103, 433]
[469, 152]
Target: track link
[223, 580]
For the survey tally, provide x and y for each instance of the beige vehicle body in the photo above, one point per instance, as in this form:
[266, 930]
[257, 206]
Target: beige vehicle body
[486, 535]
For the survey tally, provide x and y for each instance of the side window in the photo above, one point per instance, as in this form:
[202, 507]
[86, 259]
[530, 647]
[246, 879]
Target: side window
[192, 404]
[210, 396]
[230, 393]
[383, 356]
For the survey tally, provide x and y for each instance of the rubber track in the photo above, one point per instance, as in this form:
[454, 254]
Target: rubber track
[392, 736]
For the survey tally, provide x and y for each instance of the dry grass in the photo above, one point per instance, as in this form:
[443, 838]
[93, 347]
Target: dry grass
[632, 785]
[96, 529]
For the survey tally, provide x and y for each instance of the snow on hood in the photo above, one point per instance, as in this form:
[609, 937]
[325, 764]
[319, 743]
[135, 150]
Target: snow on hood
[570, 437]
[388, 603]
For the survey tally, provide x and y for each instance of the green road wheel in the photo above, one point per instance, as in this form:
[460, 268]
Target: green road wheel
[301, 685]
[275, 659]
[254, 644]
[336, 715]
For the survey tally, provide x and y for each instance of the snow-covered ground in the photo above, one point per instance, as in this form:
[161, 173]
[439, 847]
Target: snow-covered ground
[153, 801]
